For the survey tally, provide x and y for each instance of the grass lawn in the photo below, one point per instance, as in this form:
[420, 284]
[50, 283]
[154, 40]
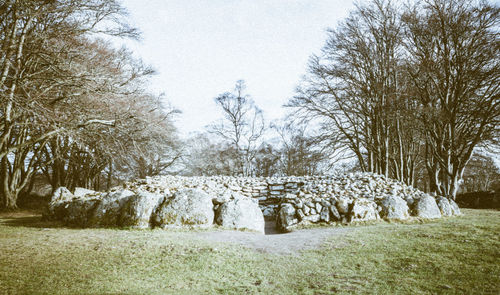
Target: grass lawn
[459, 255]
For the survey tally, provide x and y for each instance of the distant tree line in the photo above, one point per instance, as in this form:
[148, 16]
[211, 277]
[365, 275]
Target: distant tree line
[241, 143]
[74, 110]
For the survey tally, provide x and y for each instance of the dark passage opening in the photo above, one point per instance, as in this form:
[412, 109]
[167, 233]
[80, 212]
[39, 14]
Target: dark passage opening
[270, 227]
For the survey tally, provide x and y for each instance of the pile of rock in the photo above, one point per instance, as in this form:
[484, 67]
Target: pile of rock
[138, 208]
[359, 197]
[241, 202]
[219, 186]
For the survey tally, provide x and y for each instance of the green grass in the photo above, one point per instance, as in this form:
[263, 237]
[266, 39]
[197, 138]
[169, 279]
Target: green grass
[458, 255]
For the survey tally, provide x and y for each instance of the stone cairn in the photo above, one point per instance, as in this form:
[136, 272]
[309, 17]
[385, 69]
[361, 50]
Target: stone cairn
[243, 202]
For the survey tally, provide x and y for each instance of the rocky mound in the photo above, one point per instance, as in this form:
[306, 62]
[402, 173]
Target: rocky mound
[359, 197]
[186, 208]
[238, 202]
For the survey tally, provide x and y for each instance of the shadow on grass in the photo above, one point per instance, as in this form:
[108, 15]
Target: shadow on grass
[34, 219]
[27, 219]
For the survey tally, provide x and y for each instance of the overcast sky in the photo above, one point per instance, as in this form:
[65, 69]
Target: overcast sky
[200, 48]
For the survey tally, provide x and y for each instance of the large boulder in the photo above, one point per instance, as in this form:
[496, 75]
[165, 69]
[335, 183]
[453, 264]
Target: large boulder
[77, 212]
[107, 211]
[444, 206]
[454, 208]
[241, 213]
[61, 195]
[138, 209]
[363, 210]
[426, 207]
[394, 207]
[285, 220]
[81, 192]
[343, 205]
[187, 207]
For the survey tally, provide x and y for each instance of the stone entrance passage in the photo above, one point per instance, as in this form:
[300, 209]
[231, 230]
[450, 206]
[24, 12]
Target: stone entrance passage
[270, 227]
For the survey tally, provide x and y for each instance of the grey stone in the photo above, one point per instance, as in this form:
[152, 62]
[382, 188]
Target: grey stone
[409, 200]
[312, 218]
[241, 213]
[426, 207]
[221, 198]
[335, 213]
[338, 190]
[394, 207]
[76, 212]
[276, 187]
[286, 217]
[61, 194]
[300, 214]
[42, 191]
[454, 208]
[444, 206]
[138, 209]
[80, 192]
[318, 207]
[188, 207]
[107, 211]
[343, 205]
[234, 187]
[363, 210]
[268, 212]
[325, 214]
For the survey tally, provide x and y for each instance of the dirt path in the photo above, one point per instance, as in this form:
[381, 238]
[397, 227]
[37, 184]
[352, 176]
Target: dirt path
[274, 242]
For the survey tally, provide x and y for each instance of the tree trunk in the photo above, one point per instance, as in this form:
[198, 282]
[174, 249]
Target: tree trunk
[110, 175]
[10, 200]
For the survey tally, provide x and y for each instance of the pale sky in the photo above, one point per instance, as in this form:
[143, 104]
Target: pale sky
[200, 48]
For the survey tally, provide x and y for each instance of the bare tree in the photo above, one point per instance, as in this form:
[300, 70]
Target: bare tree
[454, 65]
[36, 37]
[480, 174]
[357, 90]
[67, 100]
[242, 126]
[267, 161]
[204, 156]
[299, 154]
